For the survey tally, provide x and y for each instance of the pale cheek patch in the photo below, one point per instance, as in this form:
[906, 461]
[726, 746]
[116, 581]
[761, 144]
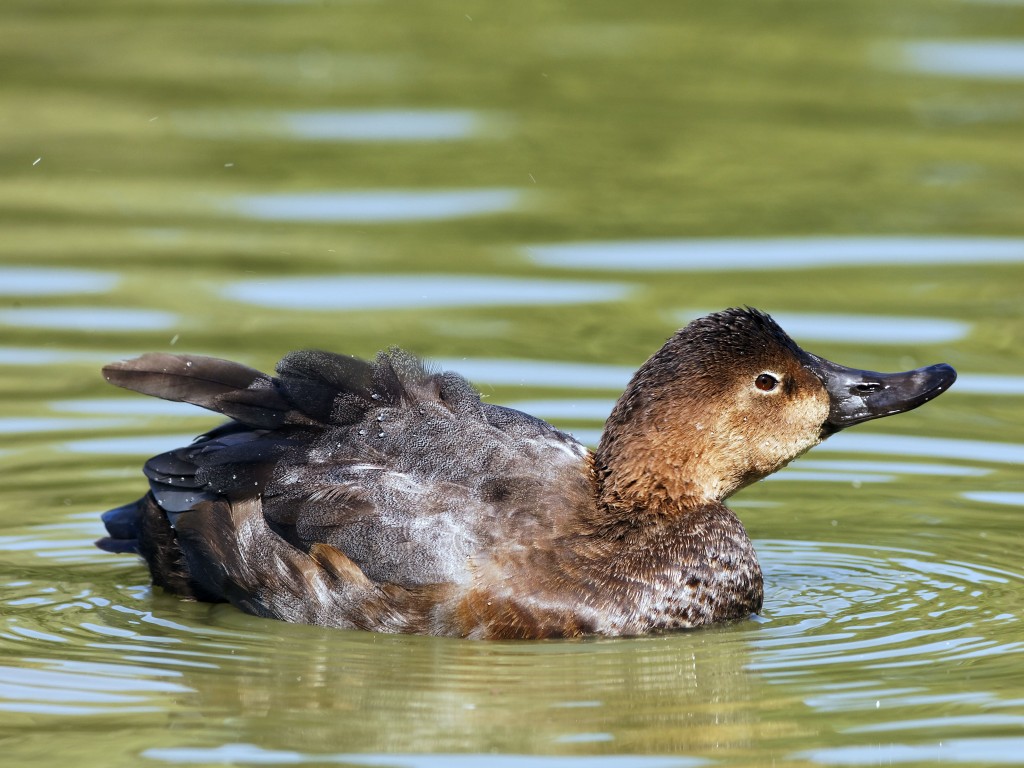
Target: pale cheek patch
[805, 418]
[791, 430]
[812, 411]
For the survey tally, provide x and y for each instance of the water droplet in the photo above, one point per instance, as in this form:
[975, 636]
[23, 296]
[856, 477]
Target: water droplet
[362, 431]
[188, 363]
[375, 396]
[380, 434]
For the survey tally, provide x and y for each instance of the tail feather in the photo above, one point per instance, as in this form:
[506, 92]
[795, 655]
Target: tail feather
[124, 524]
[235, 390]
[312, 387]
[303, 395]
[183, 378]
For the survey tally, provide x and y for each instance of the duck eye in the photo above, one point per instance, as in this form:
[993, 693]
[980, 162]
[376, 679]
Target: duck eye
[766, 382]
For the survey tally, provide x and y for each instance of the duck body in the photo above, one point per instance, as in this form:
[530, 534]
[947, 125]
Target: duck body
[383, 496]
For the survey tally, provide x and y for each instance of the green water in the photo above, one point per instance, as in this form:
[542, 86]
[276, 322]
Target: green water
[419, 170]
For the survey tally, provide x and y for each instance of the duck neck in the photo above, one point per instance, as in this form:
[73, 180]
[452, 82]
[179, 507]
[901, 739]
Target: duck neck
[695, 551]
[665, 465]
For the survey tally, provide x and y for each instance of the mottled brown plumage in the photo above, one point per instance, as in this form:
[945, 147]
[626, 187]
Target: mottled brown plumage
[381, 496]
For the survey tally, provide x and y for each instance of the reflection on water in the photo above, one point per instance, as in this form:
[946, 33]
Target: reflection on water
[898, 467]
[45, 356]
[591, 409]
[377, 206]
[150, 445]
[996, 497]
[333, 692]
[872, 329]
[846, 478]
[540, 373]
[870, 596]
[930, 447]
[77, 688]
[42, 281]
[856, 472]
[989, 384]
[834, 613]
[778, 253]
[129, 406]
[249, 753]
[988, 59]
[30, 424]
[1005, 750]
[354, 292]
[86, 319]
[367, 125]
[862, 329]
[331, 67]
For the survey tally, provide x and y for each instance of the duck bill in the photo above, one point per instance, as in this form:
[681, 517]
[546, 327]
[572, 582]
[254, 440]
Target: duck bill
[858, 396]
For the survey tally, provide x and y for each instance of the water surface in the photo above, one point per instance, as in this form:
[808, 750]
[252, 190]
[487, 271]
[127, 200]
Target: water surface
[534, 194]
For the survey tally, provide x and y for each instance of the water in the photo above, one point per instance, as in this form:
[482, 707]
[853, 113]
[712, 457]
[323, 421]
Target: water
[376, 206]
[535, 194]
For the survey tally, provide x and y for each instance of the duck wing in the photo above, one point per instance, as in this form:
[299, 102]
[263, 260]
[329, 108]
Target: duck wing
[415, 492]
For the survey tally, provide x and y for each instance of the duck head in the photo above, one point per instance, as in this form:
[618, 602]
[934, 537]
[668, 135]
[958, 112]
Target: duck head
[728, 400]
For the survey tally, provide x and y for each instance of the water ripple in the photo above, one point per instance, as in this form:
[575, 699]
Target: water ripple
[977, 751]
[929, 447]
[254, 755]
[341, 125]
[983, 59]
[1008, 498]
[723, 254]
[377, 206]
[862, 329]
[541, 373]
[69, 687]
[874, 598]
[87, 319]
[128, 406]
[52, 281]
[49, 356]
[147, 445]
[365, 292]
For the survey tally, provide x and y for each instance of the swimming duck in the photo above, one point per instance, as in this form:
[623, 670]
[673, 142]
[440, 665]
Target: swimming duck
[385, 496]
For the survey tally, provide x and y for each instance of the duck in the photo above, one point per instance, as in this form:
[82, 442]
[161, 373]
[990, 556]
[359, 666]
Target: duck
[385, 495]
